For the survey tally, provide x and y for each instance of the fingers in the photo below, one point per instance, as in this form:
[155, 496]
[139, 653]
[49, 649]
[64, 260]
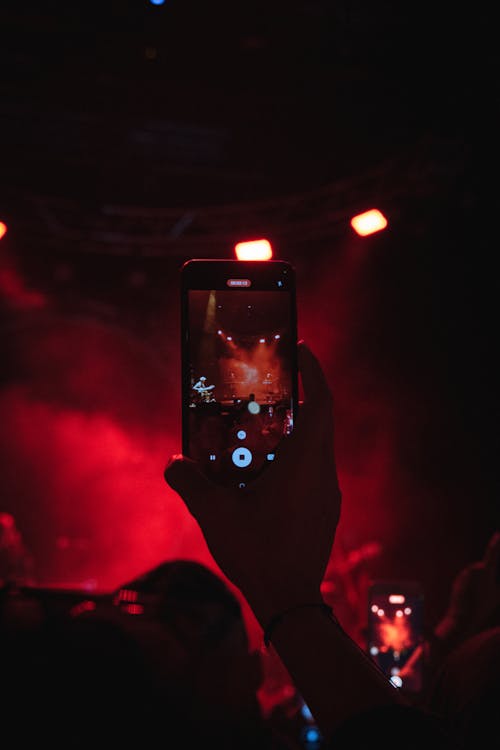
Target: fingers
[313, 378]
[311, 441]
[317, 411]
[184, 477]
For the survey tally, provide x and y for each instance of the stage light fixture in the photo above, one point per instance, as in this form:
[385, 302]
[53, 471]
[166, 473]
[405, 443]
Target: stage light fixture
[3, 229]
[254, 250]
[369, 222]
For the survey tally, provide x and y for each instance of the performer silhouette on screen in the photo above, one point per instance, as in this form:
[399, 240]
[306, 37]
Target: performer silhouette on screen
[203, 389]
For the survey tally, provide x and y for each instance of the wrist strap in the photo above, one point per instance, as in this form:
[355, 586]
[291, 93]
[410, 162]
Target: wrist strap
[277, 619]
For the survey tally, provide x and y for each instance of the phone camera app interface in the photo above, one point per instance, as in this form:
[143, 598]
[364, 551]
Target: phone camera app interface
[395, 639]
[240, 383]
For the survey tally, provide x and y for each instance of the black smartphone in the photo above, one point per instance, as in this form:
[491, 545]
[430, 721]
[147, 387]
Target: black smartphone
[239, 364]
[395, 638]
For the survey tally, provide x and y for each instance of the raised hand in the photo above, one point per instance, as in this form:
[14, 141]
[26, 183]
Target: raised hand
[273, 539]
[475, 596]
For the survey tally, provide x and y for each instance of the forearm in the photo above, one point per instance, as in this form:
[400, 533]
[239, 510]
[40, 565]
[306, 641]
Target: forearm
[335, 677]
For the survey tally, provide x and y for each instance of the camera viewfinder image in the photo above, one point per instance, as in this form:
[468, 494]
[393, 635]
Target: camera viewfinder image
[240, 382]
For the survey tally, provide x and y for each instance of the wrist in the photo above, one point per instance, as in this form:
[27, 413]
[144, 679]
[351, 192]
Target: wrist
[271, 606]
[280, 618]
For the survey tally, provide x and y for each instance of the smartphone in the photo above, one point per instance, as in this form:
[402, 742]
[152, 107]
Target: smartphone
[395, 638]
[239, 365]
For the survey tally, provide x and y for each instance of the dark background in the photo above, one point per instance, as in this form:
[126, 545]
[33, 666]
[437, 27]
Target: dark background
[135, 137]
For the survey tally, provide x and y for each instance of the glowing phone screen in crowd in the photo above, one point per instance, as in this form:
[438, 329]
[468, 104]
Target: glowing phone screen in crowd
[395, 633]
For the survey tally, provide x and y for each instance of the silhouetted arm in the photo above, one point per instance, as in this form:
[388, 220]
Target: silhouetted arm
[273, 540]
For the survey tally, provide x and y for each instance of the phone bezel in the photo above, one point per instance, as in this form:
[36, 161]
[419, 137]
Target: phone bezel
[206, 274]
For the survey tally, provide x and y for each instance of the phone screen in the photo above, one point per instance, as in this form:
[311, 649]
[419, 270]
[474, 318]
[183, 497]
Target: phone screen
[239, 396]
[395, 633]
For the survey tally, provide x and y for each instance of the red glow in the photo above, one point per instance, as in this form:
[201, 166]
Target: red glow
[105, 405]
[126, 595]
[15, 292]
[394, 633]
[254, 250]
[134, 609]
[247, 367]
[369, 222]
[3, 229]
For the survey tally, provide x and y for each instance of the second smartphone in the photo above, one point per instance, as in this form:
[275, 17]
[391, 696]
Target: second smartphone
[239, 365]
[395, 632]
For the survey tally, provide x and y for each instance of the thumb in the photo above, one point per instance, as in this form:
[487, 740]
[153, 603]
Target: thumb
[184, 477]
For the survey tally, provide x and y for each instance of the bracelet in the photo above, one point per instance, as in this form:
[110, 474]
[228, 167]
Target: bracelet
[268, 630]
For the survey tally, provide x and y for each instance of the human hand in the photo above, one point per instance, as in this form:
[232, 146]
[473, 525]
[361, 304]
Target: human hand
[273, 539]
[475, 596]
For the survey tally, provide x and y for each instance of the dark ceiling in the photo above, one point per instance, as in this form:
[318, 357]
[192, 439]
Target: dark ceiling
[217, 119]
[203, 103]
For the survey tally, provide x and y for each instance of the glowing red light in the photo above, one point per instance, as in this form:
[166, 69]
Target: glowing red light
[3, 229]
[369, 222]
[254, 250]
[126, 595]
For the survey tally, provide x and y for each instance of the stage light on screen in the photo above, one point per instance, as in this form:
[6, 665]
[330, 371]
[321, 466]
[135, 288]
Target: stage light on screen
[253, 250]
[369, 222]
[157, 2]
[3, 229]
